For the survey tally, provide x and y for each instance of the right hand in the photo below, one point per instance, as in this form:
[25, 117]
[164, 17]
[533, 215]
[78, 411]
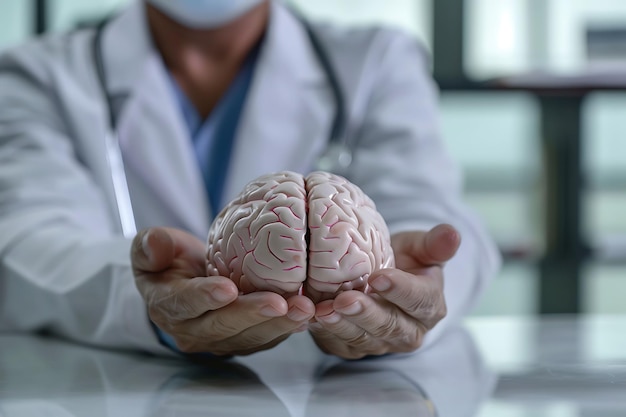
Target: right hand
[207, 314]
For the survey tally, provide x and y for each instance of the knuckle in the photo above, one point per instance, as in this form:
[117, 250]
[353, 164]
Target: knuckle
[436, 313]
[412, 342]
[358, 340]
[442, 312]
[413, 308]
[417, 343]
[408, 342]
[390, 329]
[414, 303]
[426, 306]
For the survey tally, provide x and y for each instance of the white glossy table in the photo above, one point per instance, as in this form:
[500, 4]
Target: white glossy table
[504, 367]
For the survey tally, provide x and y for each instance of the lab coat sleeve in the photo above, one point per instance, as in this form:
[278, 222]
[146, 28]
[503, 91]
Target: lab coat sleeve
[63, 268]
[401, 162]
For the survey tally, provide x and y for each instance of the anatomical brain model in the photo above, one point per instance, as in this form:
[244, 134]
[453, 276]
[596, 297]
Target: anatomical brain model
[318, 235]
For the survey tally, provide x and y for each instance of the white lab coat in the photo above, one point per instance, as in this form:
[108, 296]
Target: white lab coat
[64, 264]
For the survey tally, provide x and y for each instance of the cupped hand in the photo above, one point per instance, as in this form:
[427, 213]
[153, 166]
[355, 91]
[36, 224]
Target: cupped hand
[207, 314]
[404, 303]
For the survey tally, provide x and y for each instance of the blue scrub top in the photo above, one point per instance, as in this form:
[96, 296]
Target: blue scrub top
[213, 138]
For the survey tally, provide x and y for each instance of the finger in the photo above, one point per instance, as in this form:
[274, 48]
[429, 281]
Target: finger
[336, 330]
[381, 319]
[154, 250]
[435, 247]
[300, 309]
[419, 296]
[142, 251]
[354, 343]
[441, 244]
[185, 299]
[245, 312]
[269, 333]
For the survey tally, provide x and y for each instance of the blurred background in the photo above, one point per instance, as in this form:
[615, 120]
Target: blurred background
[533, 105]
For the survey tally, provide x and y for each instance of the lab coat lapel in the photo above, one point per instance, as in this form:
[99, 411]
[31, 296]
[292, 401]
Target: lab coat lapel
[288, 110]
[162, 170]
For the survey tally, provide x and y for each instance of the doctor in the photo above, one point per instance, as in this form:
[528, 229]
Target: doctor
[203, 96]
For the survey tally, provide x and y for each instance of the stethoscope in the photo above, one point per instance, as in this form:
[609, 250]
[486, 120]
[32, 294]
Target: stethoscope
[337, 156]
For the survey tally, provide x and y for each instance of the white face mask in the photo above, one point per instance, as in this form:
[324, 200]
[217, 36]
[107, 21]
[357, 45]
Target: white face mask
[204, 14]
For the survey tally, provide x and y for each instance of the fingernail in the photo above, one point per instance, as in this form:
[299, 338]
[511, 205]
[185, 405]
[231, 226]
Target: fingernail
[145, 246]
[222, 295]
[332, 318]
[269, 311]
[296, 314]
[381, 284]
[354, 308]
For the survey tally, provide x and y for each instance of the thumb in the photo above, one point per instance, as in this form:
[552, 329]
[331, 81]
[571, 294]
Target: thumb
[431, 248]
[152, 250]
[439, 245]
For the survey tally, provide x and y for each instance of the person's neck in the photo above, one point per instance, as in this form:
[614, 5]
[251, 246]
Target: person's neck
[205, 61]
[229, 42]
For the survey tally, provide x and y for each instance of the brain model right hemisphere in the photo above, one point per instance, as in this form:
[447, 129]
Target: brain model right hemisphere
[317, 235]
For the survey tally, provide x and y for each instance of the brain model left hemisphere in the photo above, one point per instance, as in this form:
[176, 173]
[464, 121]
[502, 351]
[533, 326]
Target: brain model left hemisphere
[317, 235]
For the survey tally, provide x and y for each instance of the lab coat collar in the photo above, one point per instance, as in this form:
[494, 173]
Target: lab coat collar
[128, 45]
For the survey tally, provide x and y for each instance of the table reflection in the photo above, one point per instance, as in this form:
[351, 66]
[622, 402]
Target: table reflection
[227, 389]
[40, 376]
[343, 392]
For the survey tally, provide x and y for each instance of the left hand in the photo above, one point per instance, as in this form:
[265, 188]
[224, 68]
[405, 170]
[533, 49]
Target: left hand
[405, 302]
